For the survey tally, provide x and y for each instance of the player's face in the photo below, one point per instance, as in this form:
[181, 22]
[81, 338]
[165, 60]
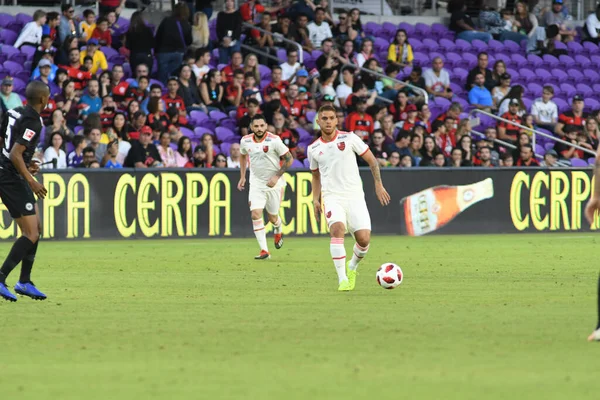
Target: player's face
[327, 121]
[259, 128]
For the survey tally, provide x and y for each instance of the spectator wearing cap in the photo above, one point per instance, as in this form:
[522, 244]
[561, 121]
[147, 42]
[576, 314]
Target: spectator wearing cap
[143, 154]
[499, 92]
[575, 117]
[359, 121]
[437, 80]
[9, 98]
[591, 28]
[479, 96]
[98, 57]
[302, 80]
[481, 68]
[290, 68]
[45, 75]
[544, 110]
[319, 30]
[32, 32]
[556, 16]
[507, 130]
[202, 157]
[411, 118]
[550, 159]
[67, 26]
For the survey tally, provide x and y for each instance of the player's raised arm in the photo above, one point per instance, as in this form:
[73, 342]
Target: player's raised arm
[594, 204]
[382, 194]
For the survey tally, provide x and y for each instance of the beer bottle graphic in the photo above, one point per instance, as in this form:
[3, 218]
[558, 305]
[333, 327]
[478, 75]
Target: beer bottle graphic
[430, 209]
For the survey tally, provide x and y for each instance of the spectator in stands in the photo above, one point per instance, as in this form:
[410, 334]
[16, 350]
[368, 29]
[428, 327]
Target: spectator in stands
[55, 152]
[44, 50]
[88, 157]
[98, 57]
[74, 69]
[329, 58]
[366, 52]
[291, 66]
[515, 92]
[416, 79]
[90, 102]
[235, 90]
[437, 80]
[410, 121]
[229, 30]
[167, 154]
[251, 65]
[263, 40]
[277, 83]
[498, 71]
[233, 160]
[425, 117]
[174, 34]
[9, 98]
[445, 140]
[236, 63]
[550, 159]
[557, 17]
[523, 139]
[293, 106]
[200, 33]
[357, 26]
[119, 85]
[592, 133]
[183, 155]
[105, 83]
[220, 161]
[456, 158]
[343, 31]
[461, 23]
[319, 30]
[544, 110]
[201, 65]
[359, 121]
[415, 148]
[575, 117]
[88, 25]
[112, 154]
[251, 8]
[372, 81]
[377, 146]
[58, 123]
[139, 93]
[428, 151]
[244, 122]
[400, 51]
[484, 158]
[508, 131]
[67, 25]
[139, 39]
[479, 96]
[326, 81]
[501, 91]
[143, 153]
[49, 29]
[394, 160]
[75, 157]
[44, 70]
[592, 27]
[465, 143]
[118, 128]
[526, 158]
[347, 55]
[211, 91]
[93, 136]
[481, 68]
[101, 32]
[188, 90]
[345, 88]
[31, 34]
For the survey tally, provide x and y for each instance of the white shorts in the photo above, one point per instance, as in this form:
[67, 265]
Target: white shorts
[353, 213]
[269, 200]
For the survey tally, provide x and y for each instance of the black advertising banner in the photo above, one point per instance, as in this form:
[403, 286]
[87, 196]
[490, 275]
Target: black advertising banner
[109, 204]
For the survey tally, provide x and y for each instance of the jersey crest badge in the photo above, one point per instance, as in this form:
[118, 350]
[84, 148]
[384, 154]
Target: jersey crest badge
[341, 145]
[266, 149]
[328, 214]
[28, 135]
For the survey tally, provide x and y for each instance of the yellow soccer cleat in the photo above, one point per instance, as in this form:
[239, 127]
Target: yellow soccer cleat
[344, 286]
[351, 276]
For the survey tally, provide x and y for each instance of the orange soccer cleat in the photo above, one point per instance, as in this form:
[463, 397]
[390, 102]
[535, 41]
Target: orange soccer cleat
[264, 255]
[278, 238]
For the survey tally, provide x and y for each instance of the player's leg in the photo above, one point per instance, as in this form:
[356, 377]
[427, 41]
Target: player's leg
[359, 223]
[595, 336]
[336, 220]
[272, 207]
[25, 286]
[257, 200]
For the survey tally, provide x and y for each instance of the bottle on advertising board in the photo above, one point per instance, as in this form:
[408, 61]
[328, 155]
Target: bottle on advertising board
[430, 209]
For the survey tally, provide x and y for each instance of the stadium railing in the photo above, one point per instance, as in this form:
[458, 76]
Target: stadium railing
[535, 131]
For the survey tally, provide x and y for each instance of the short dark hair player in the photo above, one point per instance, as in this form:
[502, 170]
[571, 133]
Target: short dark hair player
[19, 136]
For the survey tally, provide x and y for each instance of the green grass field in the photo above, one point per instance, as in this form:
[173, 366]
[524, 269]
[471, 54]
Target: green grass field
[477, 317]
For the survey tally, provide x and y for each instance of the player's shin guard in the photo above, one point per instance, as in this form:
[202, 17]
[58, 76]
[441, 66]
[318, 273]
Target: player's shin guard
[358, 254]
[27, 264]
[19, 250]
[338, 254]
[259, 232]
[277, 225]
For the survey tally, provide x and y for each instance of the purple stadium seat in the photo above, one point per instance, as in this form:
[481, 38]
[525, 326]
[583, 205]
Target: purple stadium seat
[12, 67]
[460, 75]
[6, 19]
[512, 47]
[592, 48]
[371, 27]
[8, 37]
[15, 26]
[561, 76]
[504, 57]
[566, 61]
[446, 44]
[217, 115]
[306, 163]
[463, 45]
[544, 76]
[381, 44]
[29, 51]
[513, 73]
[534, 61]
[420, 59]
[232, 139]
[535, 89]
[560, 45]
[222, 133]
[495, 46]
[225, 148]
[592, 76]
[527, 75]
[410, 29]
[561, 104]
[576, 76]
[471, 60]
[539, 150]
[455, 60]
[568, 90]
[438, 28]
[23, 18]
[282, 54]
[297, 164]
[430, 44]
[200, 130]
[582, 61]
[591, 104]
[549, 145]
[457, 89]
[388, 29]
[575, 48]
[303, 133]
[229, 123]
[173, 146]
[310, 116]
[585, 90]
[550, 61]
[578, 162]
[186, 132]
[197, 117]
[265, 72]
[423, 29]
[518, 60]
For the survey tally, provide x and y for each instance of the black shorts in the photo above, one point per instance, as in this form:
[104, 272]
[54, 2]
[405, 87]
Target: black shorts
[16, 195]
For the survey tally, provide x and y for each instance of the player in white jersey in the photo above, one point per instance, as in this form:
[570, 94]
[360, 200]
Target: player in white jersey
[265, 152]
[335, 175]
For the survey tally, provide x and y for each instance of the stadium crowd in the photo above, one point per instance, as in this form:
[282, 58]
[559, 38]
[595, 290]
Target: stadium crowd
[127, 94]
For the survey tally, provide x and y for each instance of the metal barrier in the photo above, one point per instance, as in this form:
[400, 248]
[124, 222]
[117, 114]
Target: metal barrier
[535, 132]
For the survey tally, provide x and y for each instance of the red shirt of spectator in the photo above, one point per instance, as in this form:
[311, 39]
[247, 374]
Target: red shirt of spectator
[398, 112]
[527, 159]
[102, 33]
[229, 70]
[171, 99]
[78, 77]
[511, 130]
[293, 106]
[411, 118]
[47, 112]
[442, 117]
[360, 122]
[575, 117]
[276, 84]
[250, 9]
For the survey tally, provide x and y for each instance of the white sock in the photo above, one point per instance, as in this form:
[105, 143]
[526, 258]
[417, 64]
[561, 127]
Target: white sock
[358, 254]
[259, 232]
[277, 225]
[338, 254]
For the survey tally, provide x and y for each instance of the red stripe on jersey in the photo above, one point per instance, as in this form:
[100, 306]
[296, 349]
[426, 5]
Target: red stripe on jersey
[338, 258]
[361, 154]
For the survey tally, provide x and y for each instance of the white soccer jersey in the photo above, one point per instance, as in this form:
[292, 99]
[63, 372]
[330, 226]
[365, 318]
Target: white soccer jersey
[264, 159]
[336, 162]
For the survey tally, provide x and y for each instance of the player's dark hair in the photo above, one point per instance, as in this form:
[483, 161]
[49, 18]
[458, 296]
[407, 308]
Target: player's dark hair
[326, 107]
[35, 90]
[89, 149]
[258, 117]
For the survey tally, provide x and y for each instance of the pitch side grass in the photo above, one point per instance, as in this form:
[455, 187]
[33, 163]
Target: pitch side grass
[477, 317]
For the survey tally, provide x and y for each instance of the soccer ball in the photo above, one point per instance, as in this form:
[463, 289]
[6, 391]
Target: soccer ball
[389, 276]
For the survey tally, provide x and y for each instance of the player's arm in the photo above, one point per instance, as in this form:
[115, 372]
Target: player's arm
[382, 194]
[287, 163]
[594, 204]
[243, 166]
[316, 192]
[16, 157]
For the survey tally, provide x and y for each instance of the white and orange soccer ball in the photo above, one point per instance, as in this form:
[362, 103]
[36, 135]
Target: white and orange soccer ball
[389, 276]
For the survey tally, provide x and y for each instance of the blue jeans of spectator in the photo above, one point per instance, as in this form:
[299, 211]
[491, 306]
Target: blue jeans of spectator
[469, 36]
[390, 94]
[225, 53]
[167, 63]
